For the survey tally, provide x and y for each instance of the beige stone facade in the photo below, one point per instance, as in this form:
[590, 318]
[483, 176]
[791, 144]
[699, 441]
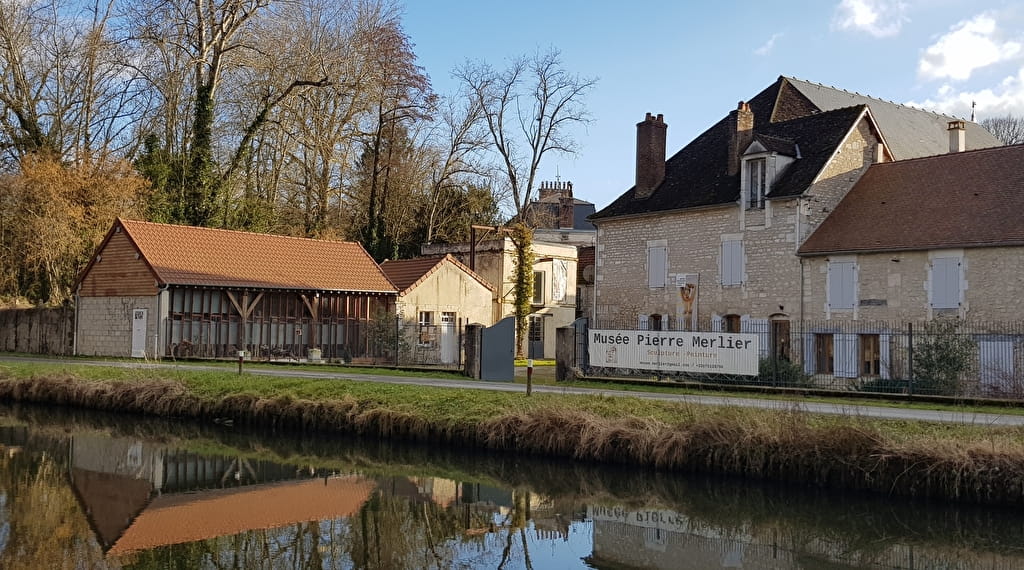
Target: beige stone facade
[555, 304]
[770, 286]
[106, 325]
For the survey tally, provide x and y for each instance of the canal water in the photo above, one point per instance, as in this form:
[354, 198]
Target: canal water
[86, 490]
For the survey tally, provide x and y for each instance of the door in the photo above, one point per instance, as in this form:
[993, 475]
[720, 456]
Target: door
[139, 333]
[535, 348]
[449, 339]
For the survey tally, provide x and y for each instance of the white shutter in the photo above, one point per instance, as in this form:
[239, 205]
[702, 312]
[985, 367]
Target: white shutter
[842, 284]
[758, 327]
[845, 355]
[884, 356]
[809, 355]
[995, 363]
[642, 322]
[716, 323]
[732, 262]
[945, 282]
[656, 266]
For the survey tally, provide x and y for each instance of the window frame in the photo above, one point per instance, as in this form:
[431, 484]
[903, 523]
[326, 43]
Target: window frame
[538, 288]
[824, 353]
[870, 354]
[426, 328]
[757, 182]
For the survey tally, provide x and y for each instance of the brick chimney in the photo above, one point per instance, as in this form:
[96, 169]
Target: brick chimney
[650, 155]
[741, 134]
[957, 136]
[566, 205]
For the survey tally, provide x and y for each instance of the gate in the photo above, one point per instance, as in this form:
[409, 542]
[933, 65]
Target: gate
[497, 351]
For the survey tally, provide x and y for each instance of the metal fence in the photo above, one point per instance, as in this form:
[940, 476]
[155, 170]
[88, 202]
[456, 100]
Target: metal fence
[947, 357]
[386, 340]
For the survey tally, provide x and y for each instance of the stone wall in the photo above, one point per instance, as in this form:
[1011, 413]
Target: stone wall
[105, 325]
[48, 330]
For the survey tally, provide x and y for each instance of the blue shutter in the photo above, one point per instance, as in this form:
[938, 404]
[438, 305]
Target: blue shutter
[716, 323]
[945, 282]
[884, 356]
[758, 327]
[845, 356]
[842, 284]
[809, 356]
[732, 262]
[642, 322]
[995, 364]
[656, 266]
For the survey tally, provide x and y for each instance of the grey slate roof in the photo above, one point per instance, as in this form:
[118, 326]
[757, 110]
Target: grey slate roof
[909, 131]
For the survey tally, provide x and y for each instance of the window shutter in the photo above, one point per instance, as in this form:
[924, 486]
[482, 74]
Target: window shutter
[842, 284]
[732, 262]
[656, 266]
[760, 328]
[884, 356]
[945, 282]
[642, 322]
[716, 323]
[995, 363]
[809, 356]
[845, 356]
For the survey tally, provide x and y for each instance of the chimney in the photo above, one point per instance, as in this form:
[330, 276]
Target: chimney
[650, 155]
[741, 134]
[957, 136]
[565, 211]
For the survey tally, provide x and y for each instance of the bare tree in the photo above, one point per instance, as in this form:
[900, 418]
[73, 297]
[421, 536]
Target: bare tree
[1008, 128]
[529, 110]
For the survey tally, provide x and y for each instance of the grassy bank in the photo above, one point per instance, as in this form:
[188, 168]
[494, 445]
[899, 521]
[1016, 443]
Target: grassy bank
[978, 464]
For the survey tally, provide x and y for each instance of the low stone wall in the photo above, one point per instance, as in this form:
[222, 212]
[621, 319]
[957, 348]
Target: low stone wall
[38, 330]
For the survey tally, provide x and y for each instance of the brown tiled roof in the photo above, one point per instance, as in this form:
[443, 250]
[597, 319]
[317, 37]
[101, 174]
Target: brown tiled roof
[965, 199]
[189, 517]
[186, 255]
[407, 273]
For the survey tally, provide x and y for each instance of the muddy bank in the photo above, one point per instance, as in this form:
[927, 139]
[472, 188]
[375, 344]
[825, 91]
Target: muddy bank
[784, 446]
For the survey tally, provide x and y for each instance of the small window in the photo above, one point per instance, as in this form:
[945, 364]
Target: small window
[657, 263]
[654, 323]
[870, 355]
[426, 326]
[732, 323]
[757, 181]
[538, 287]
[823, 353]
[732, 263]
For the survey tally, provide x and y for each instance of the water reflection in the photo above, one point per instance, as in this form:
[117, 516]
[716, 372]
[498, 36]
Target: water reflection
[100, 491]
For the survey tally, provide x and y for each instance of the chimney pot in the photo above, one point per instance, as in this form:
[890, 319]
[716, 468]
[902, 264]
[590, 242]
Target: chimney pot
[740, 136]
[957, 136]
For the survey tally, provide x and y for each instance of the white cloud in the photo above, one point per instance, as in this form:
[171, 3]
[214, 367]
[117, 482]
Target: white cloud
[880, 18]
[768, 45]
[969, 45]
[1006, 98]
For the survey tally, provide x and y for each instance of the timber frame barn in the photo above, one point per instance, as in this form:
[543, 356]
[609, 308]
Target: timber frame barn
[158, 290]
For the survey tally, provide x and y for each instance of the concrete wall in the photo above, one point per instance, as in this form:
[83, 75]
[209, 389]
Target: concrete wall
[894, 286]
[693, 238]
[37, 330]
[105, 325]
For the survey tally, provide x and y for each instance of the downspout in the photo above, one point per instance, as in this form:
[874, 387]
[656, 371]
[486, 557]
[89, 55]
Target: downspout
[597, 247]
[161, 320]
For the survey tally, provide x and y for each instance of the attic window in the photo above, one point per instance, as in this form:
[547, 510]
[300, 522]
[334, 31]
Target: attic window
[757, 181]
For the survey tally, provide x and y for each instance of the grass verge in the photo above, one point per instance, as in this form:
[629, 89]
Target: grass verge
[971, 463]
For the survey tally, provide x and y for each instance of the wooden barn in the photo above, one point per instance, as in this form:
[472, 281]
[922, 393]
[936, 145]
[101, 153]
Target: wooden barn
[160, 290]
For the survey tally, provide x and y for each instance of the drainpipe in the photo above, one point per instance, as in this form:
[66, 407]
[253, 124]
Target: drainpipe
[74, 338]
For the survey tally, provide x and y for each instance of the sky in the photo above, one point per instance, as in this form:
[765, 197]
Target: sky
[694, 61]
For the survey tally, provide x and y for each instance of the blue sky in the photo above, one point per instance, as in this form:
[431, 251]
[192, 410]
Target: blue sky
[694, 61]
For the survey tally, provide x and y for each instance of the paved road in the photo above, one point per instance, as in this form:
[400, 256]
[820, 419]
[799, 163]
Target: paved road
[814, 407]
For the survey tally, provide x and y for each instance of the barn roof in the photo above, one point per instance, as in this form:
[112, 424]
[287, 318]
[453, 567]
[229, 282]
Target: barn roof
[188, 255]
[408, 273]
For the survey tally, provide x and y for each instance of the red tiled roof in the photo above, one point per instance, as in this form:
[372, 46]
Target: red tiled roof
[407, 273]
[964, 199]
[186, 255]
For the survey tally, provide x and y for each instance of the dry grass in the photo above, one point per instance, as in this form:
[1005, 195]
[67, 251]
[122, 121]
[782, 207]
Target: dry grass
[967, 463]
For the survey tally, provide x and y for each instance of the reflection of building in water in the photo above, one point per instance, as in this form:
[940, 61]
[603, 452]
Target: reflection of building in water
[140, 495]
[625, 539]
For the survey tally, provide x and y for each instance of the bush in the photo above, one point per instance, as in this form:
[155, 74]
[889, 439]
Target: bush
[781, 372]
[941, 355]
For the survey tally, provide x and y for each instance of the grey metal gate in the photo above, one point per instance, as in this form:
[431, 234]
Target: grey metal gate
[497, 351]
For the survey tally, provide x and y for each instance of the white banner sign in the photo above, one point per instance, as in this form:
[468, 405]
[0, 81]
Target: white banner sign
[673, 351]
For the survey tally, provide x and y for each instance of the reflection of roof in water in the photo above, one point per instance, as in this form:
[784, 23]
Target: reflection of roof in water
[182, 518]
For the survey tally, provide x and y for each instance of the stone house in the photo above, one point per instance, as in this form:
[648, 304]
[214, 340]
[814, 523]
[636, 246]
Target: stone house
[554, 270]
[922, 239]
[437, 297]
[154, 290]
[709, 237]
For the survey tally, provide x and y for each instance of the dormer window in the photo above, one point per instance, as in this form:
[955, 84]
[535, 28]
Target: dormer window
[757, 181]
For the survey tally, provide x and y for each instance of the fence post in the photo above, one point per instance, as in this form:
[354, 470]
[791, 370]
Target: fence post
[398, 344]
[910, 357]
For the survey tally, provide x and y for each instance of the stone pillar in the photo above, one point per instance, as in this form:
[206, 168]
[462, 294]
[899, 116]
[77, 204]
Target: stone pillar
[565, 354]
[474, 337]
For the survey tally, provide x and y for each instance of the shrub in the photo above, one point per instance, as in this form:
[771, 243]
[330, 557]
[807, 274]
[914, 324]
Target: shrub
[941, 355]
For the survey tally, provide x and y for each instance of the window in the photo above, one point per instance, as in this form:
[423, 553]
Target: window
[538, 287]
[732, 262]
[426, 326]
[823, 355]
[870, 355]
[536, 332]
[945, 282]
[780, 339]
[654, 323]
[842, 284]
[732, 323]
[642, 322]
[757, 185]
[657, 263]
